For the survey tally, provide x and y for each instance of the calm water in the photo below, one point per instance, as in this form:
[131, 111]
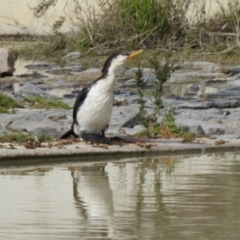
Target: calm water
[156, 198]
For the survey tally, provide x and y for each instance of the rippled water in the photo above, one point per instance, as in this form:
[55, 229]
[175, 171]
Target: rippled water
[156, 198]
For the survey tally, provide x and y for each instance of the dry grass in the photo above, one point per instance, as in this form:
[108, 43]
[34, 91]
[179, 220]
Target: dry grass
[175, 26]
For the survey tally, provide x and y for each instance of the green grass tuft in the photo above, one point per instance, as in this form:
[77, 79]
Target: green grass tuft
[41, 102]
[16, 137]
[7, 104]
[21, 138]
[44, 138]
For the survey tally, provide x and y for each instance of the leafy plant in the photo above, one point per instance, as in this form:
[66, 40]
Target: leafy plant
[149, 120]
[168, 128]
[58, 41]
[169, 121]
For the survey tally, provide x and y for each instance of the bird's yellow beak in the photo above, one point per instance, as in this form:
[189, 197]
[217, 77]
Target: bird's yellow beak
[134, 54]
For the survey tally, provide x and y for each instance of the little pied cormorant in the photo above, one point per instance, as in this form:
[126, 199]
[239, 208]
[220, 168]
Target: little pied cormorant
[93, 107]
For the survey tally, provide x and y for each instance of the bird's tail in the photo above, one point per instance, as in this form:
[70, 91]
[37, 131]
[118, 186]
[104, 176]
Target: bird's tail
[68, 134]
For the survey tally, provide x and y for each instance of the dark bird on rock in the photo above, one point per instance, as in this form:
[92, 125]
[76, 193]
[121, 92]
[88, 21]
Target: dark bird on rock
[93, 107]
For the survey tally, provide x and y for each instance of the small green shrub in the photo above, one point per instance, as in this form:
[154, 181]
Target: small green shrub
[149, 120]
[135, 23]
[169, 121]
[167, 129]
[7, 104]
[41, 102]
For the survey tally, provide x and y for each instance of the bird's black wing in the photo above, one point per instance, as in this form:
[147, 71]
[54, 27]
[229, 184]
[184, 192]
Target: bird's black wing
[79, 101]
[81, 97]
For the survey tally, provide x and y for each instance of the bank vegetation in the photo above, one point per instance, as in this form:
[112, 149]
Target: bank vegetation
[163, 25]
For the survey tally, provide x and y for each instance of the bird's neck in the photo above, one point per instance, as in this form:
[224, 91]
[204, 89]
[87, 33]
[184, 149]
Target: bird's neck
[111, 74]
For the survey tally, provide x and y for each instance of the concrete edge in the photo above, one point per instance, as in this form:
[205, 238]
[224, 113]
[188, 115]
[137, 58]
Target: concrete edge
[81, 151]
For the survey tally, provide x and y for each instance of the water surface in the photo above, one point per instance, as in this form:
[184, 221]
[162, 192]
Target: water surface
[186, 197]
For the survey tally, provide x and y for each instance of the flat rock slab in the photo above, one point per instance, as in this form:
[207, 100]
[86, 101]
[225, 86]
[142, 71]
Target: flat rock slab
[81, 149]
[51, 122]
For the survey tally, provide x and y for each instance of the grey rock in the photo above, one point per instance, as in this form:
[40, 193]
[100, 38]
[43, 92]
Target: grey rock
[35, 82]
[171, 101]
[131, 83]
[1, 129]
[29, 89]
[234, 69]
[59, 84]
[177, 76]
[221, 103]
[228, 136]
[65, 70]
[89, 74]
[193, 88]
[73, 55]
[219, 79]
[123, 116]
[184, 104]
[199, 64]
[213, 68]
[131, 73]
[235, 83]
[229, 93]
[216, 131]
[132, 99]
[149, 78]
[6, 87]
[39, 121]
[160, 120]
[196, 130]
[7, 60]
[208, 128]
[40, 65]
[32, 75]
[135, 130]
[195, 104]
[213, 121]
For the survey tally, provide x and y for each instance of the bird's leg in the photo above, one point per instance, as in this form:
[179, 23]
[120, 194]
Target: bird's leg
[104, 139]
[103, 133]
[96, 138]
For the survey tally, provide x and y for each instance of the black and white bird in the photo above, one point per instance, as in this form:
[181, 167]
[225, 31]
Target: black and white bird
[93, 107]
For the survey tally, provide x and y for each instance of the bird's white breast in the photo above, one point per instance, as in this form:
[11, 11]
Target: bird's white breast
[94, 114]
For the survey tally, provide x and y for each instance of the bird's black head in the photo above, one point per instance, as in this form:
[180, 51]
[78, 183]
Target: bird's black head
[117, 59]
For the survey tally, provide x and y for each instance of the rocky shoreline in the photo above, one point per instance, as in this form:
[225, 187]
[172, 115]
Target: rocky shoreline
[204, 96]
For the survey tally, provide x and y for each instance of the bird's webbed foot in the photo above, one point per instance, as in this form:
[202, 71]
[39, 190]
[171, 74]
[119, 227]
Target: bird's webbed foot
[95, 138]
